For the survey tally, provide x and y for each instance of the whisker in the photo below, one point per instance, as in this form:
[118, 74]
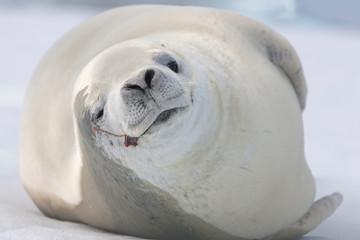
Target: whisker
[93, 129]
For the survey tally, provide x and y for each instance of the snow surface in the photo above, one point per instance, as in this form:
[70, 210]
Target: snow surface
[331, 60]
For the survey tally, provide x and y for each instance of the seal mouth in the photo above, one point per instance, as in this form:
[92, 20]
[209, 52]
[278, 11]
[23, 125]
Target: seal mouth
[160, 119]
[164, 116]
[133, 141]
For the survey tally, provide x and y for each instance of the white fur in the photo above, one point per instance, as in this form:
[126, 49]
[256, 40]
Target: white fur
[233, 154]
[196, 155]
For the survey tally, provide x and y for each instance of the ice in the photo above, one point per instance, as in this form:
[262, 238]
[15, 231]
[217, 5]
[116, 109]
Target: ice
[330, 56]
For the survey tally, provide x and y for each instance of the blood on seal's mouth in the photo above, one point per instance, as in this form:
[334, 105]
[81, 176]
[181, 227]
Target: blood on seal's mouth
[130, 141]
[133, 141]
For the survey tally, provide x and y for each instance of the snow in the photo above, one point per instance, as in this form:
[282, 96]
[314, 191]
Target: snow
[332, 131]
[330, 56]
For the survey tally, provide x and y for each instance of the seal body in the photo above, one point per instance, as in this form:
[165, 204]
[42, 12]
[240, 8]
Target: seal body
[146, 122]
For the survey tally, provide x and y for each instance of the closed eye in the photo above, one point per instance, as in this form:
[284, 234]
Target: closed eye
[99, 114]
[173, 66]
[98, 111]
[167, 60]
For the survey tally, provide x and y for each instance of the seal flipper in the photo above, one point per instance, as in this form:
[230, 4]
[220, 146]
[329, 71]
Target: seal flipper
[283, 55]
[318, 212]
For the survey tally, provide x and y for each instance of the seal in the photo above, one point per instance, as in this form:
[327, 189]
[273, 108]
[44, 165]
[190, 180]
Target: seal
[148, 123]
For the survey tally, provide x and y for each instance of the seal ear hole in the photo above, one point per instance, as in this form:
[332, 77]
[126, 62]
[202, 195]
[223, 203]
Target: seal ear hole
[173, 66]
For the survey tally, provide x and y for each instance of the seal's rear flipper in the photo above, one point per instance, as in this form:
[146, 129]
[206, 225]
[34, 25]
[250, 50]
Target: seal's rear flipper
[319, 211]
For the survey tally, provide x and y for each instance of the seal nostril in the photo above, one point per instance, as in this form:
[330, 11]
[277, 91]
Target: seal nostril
[148, 77]
[133, 87]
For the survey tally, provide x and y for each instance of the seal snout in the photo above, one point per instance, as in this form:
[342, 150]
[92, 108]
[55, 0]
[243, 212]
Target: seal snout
[150, 92]
[148, 77]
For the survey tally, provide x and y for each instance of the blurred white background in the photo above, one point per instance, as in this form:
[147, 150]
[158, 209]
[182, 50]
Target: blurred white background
[326, 35]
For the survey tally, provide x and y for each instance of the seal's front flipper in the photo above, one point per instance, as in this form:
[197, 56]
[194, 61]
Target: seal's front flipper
[319, 211]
